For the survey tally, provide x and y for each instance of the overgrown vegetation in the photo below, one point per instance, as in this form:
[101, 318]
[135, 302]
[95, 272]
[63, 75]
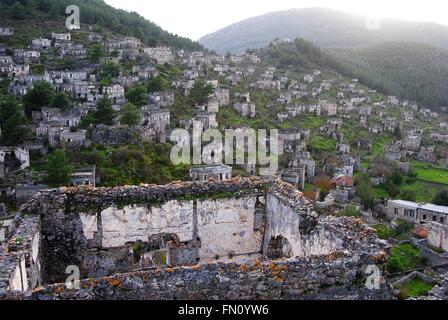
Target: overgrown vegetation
[97, 14]
[414, 288]
[405, 257]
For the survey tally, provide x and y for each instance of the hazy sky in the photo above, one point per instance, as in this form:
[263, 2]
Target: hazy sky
[196, 18]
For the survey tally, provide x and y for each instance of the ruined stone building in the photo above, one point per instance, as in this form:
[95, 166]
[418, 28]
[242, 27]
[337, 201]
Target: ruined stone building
[218, 172]
[13, 159]
[236, 239]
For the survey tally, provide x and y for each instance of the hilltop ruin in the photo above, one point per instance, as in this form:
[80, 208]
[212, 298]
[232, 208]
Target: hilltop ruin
[236, 239]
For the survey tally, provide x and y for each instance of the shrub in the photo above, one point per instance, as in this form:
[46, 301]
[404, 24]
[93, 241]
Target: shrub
[405, 257]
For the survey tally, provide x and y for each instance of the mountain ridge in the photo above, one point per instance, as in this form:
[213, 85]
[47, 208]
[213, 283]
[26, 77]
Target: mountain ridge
[323, 26]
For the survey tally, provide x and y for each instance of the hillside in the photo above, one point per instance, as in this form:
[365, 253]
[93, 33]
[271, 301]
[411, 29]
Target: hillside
[32, 17]
[325, 27]
[409, 70]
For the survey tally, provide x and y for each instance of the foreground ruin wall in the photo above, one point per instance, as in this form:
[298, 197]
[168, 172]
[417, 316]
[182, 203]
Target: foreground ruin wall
[335, 277]
[105, 231]
[219, 228]
[20, 255]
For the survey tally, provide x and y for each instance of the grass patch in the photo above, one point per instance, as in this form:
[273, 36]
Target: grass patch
[383, 231]
[414, 288]
[424, 191]
[428, 172]
[405, 257]
[379, 144]
[322, 143]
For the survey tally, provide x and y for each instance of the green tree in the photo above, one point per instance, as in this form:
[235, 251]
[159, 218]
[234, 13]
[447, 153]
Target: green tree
[110, 70]
[397, 177]
[441, 198]
[96, 52]
[158, 83]
[18, 11]
[137, 95]
[364, 191]
[200, 92]
[104, 113]
[58, 169]
[13, 122]
[39, 96]
[60, 100]
[408, 195]
[391, 188]
[130, 115]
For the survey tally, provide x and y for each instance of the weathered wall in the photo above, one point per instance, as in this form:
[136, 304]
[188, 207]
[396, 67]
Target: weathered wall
[226, 229]
[105, 231]
[438, 236]
[289, 215]
[336, 277]
[116, 231]
[20, 264]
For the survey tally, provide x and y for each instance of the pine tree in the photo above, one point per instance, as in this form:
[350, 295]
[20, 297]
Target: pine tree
[104, 113]
[58, 169]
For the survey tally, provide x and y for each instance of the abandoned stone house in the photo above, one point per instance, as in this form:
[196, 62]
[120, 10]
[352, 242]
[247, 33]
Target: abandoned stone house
[309, 78]
[23, 192]
[41, 44]
[442, 138]
[60, 38]
[181, 226]
[218, 172]
[13, 159]
[22, 56]
[342, 194]
[205, 121]
[162, 99]
[161, 55]
[392, 152]
[157, 121]
[64, 137]
[18, 71]
[247, 110]
[343, 148]
[427, 154]
[412, 142]
[330, 109]
[223, 96]
[115, 93]
[84, 177]
[294, 176]
[364, 144]
[417, 213]
[6, 31]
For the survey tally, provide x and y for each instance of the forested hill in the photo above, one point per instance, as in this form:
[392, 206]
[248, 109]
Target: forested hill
[410, 71]
[414, 71]
[41, 14]
[325, 27]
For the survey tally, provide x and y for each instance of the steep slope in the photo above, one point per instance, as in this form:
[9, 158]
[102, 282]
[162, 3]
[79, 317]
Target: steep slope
[325, 27]
[33, 16]
[409, 70]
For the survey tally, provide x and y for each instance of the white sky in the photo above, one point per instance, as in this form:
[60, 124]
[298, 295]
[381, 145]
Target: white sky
[196, 18]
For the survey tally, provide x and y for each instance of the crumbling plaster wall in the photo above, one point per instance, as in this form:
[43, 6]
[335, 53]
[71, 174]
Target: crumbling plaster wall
[105, 231]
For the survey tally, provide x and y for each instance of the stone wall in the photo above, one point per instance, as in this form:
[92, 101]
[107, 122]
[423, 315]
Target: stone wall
[105, 231]
[217, 231]
[20, 259]
[335, 277]
[438, 236]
